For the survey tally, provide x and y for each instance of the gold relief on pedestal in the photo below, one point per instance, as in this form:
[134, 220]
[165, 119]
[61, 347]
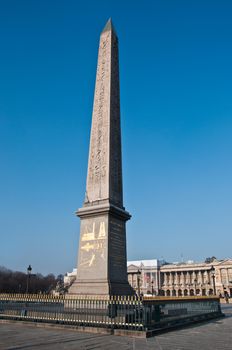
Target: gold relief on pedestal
[93, 244]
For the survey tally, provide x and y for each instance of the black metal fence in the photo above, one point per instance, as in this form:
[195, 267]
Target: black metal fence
[115, 312]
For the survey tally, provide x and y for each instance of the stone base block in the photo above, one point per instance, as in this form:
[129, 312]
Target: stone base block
[100, 288]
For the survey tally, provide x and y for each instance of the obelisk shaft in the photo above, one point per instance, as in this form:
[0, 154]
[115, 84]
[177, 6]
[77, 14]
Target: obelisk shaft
[104, 178]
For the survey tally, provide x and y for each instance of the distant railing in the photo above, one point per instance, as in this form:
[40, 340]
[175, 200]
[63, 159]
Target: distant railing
[113, 312]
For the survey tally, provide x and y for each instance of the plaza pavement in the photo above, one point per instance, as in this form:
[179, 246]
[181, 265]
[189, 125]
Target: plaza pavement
[213, 335]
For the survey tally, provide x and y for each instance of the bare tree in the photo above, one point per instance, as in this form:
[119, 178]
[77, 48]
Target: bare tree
[16, 282]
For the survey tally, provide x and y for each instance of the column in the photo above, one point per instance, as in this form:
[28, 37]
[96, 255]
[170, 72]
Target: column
[165, 279]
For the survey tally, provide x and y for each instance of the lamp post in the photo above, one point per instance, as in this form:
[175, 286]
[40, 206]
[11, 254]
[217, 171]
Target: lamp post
[138, 282]
[28, 277]
[152, 288]
[195, 286]
[213, 277]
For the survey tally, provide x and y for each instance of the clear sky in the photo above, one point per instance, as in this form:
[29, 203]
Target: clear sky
[176, 104]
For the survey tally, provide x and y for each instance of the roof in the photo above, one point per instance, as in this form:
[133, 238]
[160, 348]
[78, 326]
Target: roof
[145, 263]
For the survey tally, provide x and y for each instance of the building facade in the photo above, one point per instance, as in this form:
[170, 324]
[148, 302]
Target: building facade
[144, 276]
[181, 279]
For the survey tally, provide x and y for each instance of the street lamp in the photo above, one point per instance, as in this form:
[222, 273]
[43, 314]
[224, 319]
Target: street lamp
[213, 277]
[195, 286]
[28, 277]
[138, 282]
[152, 288]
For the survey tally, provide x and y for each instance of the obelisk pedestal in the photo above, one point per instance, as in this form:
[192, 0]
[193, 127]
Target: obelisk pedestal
[102, 259]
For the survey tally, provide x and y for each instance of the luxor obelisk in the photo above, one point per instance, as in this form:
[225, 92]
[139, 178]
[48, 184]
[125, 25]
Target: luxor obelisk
[102, 259]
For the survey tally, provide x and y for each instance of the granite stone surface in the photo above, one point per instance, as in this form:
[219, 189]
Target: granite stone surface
[102, 258]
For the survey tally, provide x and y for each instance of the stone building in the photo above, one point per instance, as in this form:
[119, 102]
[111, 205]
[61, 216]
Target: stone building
[144, 276]
[197, 278]
[181, 279]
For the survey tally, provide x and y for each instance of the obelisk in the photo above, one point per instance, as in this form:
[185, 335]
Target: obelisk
[102, 259]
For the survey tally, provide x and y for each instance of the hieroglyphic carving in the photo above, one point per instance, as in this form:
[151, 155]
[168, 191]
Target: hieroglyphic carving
[98, 156]
[115, 147]
[104, 179]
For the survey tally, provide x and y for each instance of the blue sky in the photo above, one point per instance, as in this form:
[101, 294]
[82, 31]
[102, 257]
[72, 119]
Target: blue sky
[176, 74]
